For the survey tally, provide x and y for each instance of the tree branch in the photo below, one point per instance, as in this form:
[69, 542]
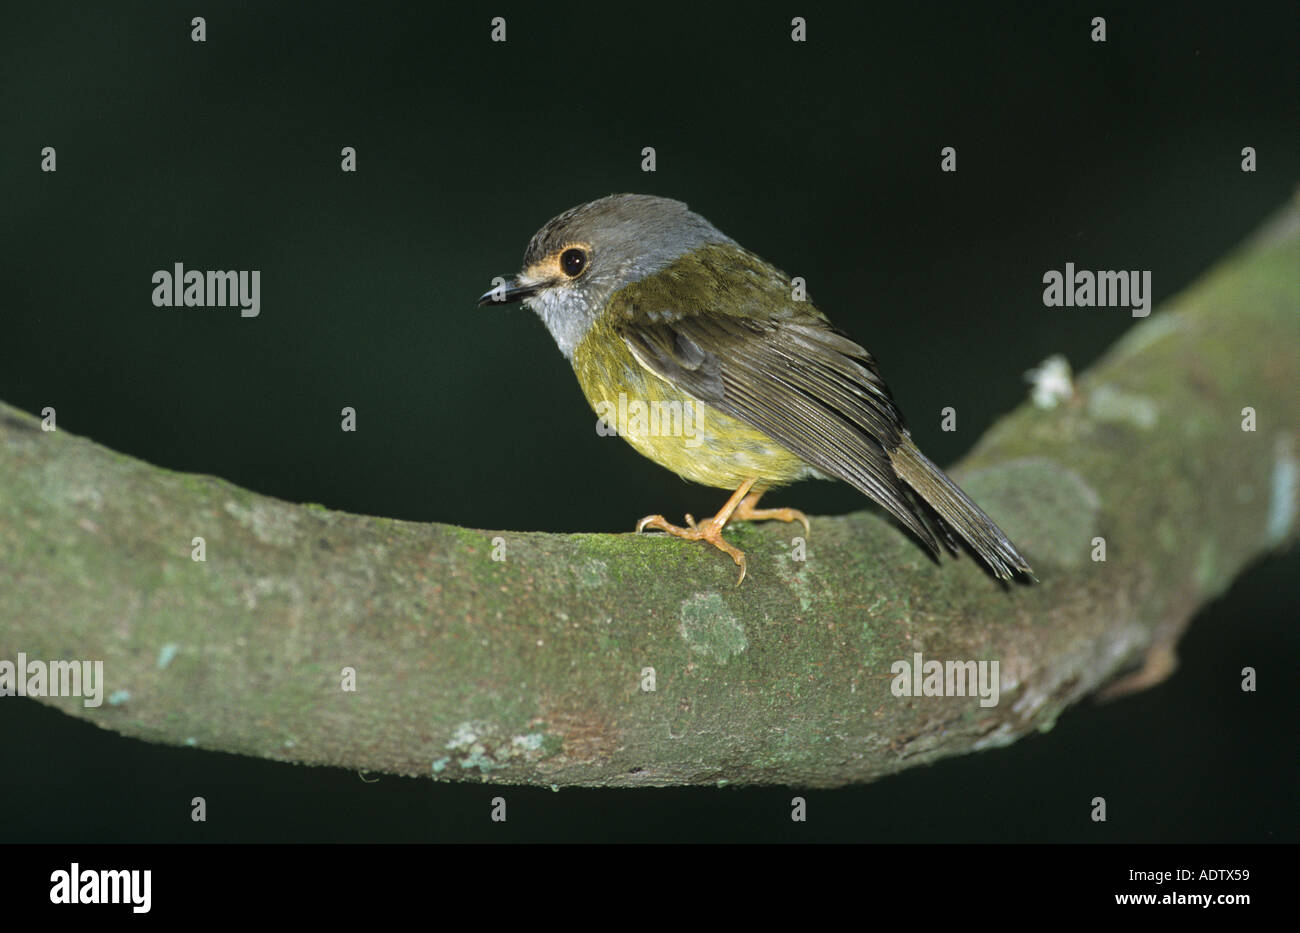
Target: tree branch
[529, 670]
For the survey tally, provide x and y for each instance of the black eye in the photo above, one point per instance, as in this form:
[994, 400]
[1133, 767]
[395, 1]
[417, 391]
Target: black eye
[573, 261]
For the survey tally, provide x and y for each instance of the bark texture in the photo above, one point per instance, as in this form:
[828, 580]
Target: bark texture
[530, 670]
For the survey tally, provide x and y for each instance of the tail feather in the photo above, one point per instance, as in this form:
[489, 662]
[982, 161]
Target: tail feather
[958, 511]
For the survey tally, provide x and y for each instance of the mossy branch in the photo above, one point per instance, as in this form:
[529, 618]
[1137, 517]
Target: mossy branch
[530, 670]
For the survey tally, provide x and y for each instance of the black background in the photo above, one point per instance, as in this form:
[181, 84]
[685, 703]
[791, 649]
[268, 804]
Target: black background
[823, 157]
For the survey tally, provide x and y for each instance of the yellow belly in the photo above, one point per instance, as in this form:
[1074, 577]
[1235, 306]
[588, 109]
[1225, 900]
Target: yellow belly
[673, 429]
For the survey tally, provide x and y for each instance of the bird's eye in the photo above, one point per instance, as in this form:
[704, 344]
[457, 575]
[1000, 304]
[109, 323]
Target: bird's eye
[573, 261]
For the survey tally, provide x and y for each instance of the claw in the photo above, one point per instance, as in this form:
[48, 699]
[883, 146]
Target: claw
[739, 506]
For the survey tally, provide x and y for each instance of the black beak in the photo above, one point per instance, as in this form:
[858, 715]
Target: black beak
[510, 291]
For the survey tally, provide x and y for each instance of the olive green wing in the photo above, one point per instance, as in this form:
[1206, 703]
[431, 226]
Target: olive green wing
[809, 388]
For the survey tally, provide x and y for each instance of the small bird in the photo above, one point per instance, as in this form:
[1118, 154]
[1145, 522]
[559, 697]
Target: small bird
[651, 303]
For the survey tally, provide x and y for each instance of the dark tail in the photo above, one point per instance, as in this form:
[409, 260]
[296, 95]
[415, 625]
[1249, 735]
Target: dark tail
[956, 509]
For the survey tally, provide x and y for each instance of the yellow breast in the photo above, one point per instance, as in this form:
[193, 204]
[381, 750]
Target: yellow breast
[673, 429]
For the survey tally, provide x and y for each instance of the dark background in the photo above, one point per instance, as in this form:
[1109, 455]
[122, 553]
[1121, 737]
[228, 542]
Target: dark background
[822, 157]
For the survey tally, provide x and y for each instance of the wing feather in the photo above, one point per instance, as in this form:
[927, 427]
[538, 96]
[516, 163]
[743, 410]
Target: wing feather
[810, 389]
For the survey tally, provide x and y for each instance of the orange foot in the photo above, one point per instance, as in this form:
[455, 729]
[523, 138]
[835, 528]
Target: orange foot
[741, 507]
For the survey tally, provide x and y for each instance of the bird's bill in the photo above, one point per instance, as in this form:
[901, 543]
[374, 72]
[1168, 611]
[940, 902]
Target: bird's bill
[511, 290]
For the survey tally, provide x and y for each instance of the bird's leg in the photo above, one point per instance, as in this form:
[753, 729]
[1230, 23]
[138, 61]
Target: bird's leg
[709, 530]
[745, 512]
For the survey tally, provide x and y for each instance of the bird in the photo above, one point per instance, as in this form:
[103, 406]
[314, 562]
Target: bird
[650, 302]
